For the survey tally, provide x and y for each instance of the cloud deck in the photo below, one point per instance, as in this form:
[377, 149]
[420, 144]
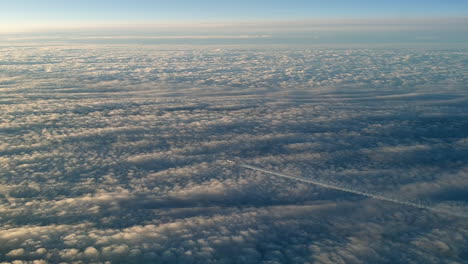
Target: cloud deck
[118, 154]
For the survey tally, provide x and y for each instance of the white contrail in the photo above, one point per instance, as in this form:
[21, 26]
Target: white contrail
[344, 189]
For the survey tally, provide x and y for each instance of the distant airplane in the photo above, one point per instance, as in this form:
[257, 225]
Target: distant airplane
[349, 190]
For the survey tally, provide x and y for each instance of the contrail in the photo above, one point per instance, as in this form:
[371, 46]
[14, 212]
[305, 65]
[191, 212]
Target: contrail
[344, 189]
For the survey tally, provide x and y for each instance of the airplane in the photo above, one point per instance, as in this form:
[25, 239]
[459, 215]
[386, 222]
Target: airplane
[349, 190]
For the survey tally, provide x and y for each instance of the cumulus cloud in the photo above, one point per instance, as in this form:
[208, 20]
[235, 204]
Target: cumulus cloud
[111, 153]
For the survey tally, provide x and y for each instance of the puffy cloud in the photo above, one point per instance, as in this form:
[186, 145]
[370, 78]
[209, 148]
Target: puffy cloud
[119, 154]
[16, 253]
[91, 253]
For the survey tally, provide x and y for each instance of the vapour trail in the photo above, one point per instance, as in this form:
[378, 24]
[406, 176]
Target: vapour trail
[344, 189]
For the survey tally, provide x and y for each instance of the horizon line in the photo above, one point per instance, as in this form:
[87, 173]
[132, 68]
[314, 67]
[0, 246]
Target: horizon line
[416, 22]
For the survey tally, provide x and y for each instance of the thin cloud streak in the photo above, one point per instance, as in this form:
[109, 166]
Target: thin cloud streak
[141, 37]
[331, 24]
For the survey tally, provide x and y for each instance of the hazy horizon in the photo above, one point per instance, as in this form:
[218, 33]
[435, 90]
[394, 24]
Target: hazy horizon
[254, 22]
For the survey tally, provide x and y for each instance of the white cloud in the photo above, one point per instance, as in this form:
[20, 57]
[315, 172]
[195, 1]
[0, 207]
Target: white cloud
[15, 253]
[111, 153]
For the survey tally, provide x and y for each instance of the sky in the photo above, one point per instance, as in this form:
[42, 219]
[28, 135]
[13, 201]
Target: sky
[126, 11]
[248, 22]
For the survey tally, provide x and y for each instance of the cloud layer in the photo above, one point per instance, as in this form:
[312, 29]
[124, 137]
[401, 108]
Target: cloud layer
[119, 154]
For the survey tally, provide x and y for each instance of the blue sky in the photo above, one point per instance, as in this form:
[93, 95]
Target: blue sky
[260, 21]
[128, 11]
